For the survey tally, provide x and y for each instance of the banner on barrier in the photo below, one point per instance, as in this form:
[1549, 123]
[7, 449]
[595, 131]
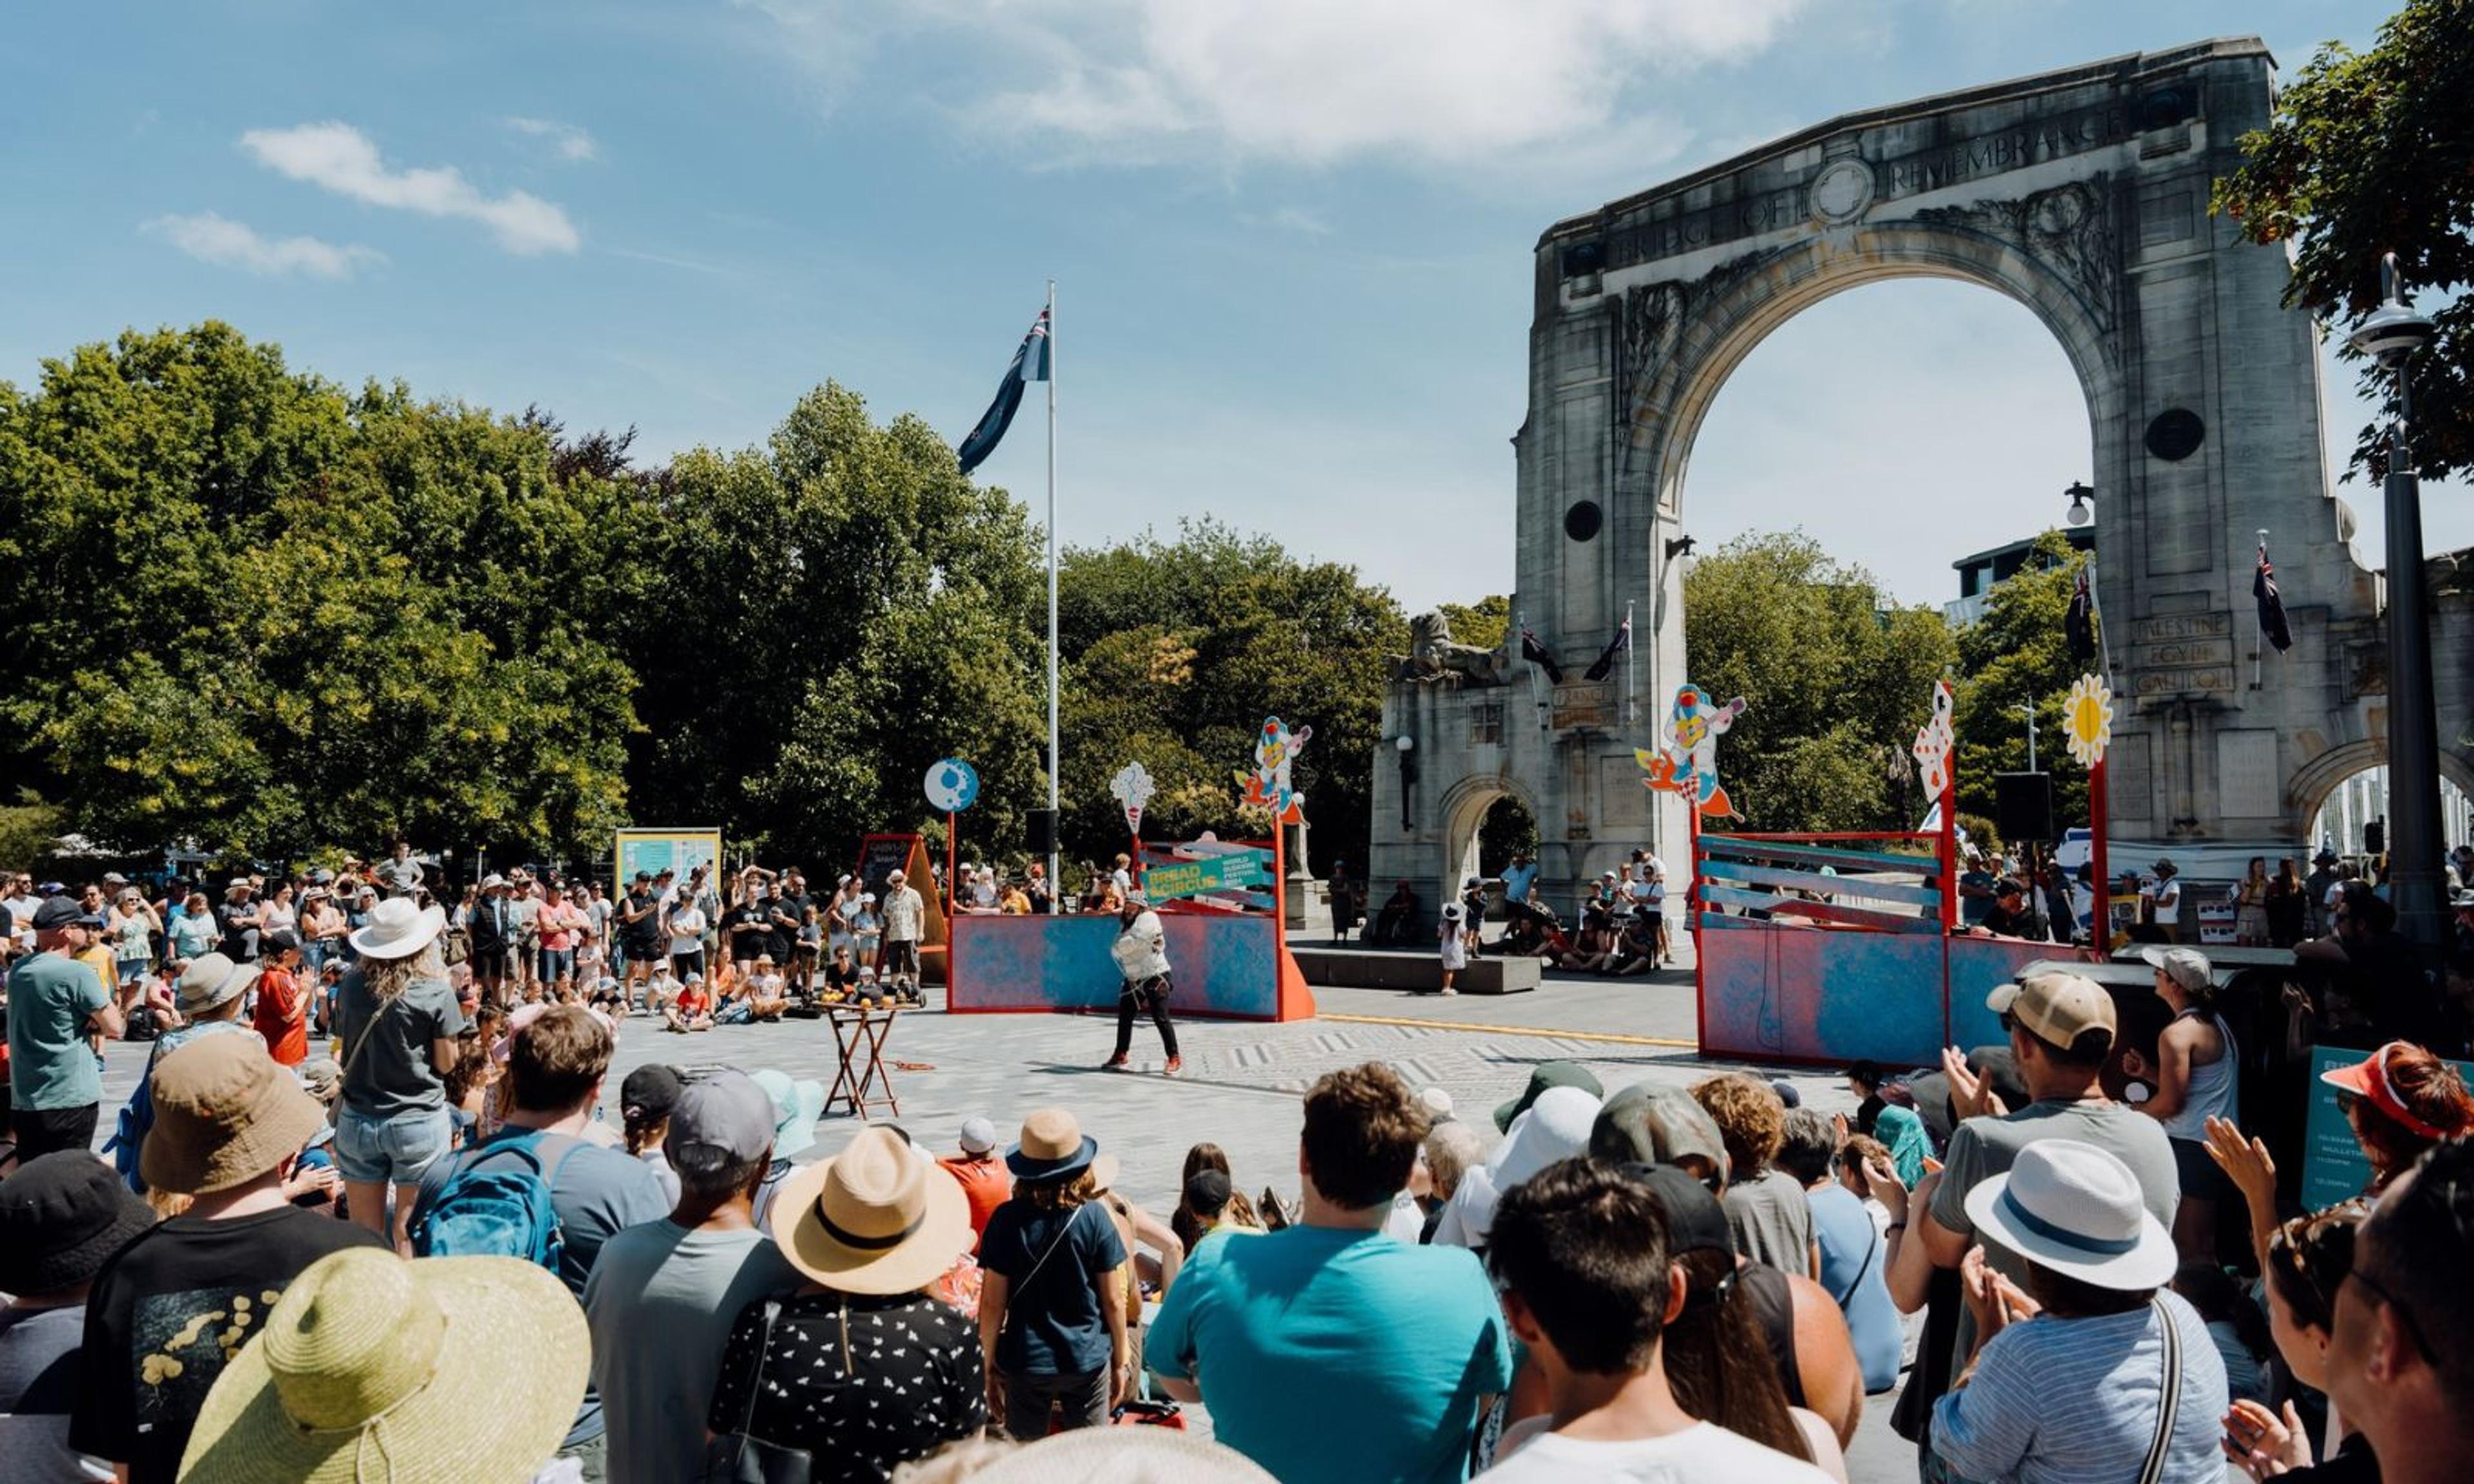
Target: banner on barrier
[1214, 873]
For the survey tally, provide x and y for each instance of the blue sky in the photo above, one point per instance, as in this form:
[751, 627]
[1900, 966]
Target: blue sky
[1293, 236]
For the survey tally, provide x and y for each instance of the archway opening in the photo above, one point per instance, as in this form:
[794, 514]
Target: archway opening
[2352, 819]
[1907, 424]
[1483, 830]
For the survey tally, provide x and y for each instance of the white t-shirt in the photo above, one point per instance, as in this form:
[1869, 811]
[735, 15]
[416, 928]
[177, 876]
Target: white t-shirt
[2169, 901]
[1700, 1452]
[687, 930]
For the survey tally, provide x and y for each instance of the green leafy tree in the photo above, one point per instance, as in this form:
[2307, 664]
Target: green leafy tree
[1837, 677]
[260, 613]
[1175, 651]
[2369, 152]
[832, 613]
[2019, 654]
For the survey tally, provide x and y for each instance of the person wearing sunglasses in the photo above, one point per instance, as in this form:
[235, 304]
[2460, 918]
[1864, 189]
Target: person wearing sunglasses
[2306, 1260]
[2401, 1354]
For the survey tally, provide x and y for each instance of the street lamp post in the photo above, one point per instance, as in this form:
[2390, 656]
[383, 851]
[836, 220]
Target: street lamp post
[2392, 335]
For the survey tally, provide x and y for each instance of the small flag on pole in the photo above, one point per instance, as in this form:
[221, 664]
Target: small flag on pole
[1540, 656]
[1605, 664]
[2271, 607]
[1029, 364]
[2079, 625]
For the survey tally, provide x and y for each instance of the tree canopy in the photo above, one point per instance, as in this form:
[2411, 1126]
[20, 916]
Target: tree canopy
[2019, 654]
[1839, 677]
[2370, 153]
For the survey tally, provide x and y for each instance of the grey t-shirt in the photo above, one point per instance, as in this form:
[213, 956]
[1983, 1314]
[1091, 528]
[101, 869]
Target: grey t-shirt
[1981, 1148]
[39, 1382]
[661, 1301]
[1771, 1221]
[392, 1074]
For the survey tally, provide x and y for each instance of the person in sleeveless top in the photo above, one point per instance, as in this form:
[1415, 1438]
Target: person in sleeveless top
[2196, 1075]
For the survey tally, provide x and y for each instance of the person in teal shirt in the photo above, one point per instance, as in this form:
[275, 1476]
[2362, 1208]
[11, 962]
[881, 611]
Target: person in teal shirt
[1330, 1350]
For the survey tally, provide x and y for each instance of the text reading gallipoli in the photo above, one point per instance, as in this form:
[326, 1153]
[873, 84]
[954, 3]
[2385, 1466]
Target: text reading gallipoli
[1907, 175]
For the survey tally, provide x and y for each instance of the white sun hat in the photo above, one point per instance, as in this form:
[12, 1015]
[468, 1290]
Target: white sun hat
[399, 929]
[2076, 1209]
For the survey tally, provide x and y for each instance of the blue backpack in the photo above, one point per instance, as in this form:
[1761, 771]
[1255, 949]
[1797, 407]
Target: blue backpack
[503, 1211]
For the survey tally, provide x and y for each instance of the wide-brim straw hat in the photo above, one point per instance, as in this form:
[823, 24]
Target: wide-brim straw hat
[874, 1219]
[445, 1370]
[2076, 1209]
[1124, 1455]
[1053, 1145]
[225, 1113]
[399, 929]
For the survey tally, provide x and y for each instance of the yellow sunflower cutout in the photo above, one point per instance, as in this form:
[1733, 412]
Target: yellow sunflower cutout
[2088, 717]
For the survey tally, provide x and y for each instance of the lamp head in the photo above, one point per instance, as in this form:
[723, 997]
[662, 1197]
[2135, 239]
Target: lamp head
[2079, 514]
[2393, 332]
[1406, 743]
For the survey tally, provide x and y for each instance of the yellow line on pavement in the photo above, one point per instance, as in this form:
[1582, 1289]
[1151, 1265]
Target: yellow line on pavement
[1513, 1030]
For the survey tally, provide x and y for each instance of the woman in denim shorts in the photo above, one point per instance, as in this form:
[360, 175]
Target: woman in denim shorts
[399, 1021]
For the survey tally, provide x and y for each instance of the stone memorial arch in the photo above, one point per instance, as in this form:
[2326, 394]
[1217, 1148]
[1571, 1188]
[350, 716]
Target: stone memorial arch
[2081, 194]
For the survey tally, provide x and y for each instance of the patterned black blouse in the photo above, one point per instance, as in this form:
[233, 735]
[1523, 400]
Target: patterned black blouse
[865, 1384]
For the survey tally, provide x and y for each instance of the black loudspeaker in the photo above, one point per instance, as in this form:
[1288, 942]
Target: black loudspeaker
[1042, 827]
[2022, 805]
[2375, 836]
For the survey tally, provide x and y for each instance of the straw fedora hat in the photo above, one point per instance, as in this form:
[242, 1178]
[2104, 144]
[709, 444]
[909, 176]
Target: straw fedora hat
[225, 1113]
[399, 929]
[2076, 1209]
[213, 979]
[371, 1367]
[874, 1219]
[1053, 1144]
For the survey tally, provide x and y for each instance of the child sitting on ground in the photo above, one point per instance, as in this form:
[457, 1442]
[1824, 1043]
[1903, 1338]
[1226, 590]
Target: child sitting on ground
[692, 1009]
[764, 994]
[661, 991]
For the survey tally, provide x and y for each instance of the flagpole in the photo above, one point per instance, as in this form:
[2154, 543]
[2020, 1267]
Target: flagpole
[1631, 641]
[1054, 884]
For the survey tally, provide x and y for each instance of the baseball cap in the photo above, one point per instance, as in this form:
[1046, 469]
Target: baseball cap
[281, 941]
[63, 911]
[1549, 1075]
[650, 1092]
[1696, 1221]
[2056, 1009]
[1651, 1125]
[720, 1118]
[2368, 1079]
[2185, 967]
[979, 1136]
[1207, 1194]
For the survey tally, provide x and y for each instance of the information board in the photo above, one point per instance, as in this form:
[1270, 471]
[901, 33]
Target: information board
[656, 850]
[2333, 1166]
[1213, 874]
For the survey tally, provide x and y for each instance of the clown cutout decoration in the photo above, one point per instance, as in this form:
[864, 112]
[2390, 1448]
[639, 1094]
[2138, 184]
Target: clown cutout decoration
[1934, 740]
[1688, 763]
[1269, 785]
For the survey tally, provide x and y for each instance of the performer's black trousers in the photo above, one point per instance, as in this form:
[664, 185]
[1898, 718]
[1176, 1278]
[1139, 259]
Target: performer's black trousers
[1129, 1000]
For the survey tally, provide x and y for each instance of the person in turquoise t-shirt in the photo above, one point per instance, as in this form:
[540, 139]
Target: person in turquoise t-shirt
[1329, 1350]
[55, 1004]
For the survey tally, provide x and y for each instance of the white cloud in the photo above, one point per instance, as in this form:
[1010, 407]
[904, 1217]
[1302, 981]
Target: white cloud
[229, 244]
[1302, 81]
[341, 158]
[568, 141]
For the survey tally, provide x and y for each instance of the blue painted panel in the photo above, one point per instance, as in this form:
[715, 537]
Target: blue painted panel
[1225, 966]
[1976, 966]
[1817, 995]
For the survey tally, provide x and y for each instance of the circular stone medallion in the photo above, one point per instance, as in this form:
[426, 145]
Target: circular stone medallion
[1842, 191]
[2176, 434]
[1582, 521]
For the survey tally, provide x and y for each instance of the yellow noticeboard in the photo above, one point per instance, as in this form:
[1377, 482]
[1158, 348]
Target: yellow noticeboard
[656, 850]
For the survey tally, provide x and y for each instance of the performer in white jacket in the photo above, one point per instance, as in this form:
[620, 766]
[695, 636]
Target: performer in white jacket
[1141, 952]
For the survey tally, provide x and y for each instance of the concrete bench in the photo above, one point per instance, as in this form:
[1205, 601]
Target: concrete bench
[1363, 969]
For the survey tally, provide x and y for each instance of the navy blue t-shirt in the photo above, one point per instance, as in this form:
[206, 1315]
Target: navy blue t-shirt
[1054, 1325]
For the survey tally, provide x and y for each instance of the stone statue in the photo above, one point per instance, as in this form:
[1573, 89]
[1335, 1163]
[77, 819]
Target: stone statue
[1434, 657]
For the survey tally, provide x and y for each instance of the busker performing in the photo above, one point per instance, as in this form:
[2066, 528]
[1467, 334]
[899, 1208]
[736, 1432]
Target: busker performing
[1141, 952]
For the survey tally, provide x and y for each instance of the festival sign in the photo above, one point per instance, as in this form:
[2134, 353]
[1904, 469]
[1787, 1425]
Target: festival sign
[1935, 740]
[1132, 788]
[2086, 718]
[1688, 763]
[656, 850]
[1269, 786]
[953, 785]
[1212, 874]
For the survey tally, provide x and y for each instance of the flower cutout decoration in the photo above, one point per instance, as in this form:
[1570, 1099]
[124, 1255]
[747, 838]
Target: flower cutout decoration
[2087, 716]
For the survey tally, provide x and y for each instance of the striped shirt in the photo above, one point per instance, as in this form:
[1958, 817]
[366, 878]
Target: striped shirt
[2075, 1402]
